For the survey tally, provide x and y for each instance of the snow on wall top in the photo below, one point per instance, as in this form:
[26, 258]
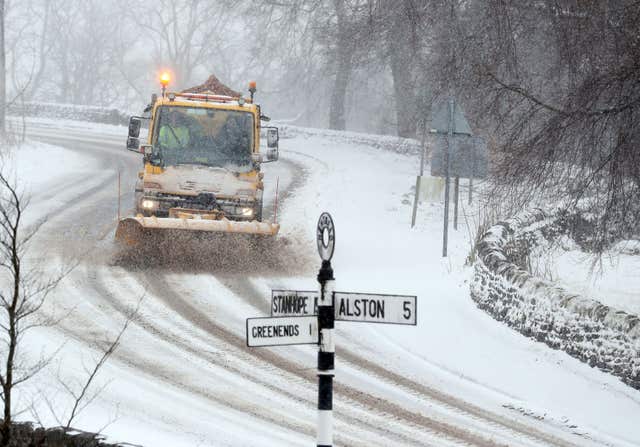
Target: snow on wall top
[584, 328]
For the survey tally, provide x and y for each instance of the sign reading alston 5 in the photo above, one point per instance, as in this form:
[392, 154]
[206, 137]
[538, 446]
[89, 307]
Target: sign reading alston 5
[368, 307]
[374, 308]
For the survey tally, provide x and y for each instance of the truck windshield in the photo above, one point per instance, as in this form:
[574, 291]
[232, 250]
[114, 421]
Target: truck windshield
[204, 136]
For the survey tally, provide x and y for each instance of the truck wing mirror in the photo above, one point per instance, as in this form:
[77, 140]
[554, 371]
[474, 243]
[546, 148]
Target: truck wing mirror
[272, 154]
[134, 127]
[272, 137]
[133, 144]
[272, 143]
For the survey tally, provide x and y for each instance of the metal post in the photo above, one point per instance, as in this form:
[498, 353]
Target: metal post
[415, 202]
[419, 179]
[473, 168]
[456, 193]
[118, 195]
[446, 184]
[326, 355]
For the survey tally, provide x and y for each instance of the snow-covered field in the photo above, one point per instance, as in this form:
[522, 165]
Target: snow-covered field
[613, 280]
[183, 376]
[51, 172]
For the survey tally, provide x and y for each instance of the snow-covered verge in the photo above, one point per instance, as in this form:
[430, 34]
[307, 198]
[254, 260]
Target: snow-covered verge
[69, 112]
[597, 334]
[613, 278]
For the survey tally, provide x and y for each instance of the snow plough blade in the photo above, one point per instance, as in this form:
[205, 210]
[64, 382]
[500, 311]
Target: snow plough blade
[131, 229]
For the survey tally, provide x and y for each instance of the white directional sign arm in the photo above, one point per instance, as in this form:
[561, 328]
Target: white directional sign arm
[375, 308]
[282, 331]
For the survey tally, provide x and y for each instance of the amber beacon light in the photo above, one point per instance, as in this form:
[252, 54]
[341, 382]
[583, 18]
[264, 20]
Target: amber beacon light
[165, 77]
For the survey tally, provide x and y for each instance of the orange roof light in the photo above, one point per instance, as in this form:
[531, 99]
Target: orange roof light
[165, 77]
[252, 89]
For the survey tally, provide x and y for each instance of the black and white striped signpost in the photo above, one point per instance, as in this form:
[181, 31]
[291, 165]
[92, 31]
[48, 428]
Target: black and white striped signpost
[308, 317]
[326, 318]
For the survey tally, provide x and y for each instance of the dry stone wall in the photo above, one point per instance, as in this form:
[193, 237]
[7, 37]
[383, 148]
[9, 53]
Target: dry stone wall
[70, 112]
[28, 435]
[597, 334]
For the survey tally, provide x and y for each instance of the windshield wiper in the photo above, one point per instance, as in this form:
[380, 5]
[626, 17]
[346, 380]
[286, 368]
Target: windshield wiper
[176, 137]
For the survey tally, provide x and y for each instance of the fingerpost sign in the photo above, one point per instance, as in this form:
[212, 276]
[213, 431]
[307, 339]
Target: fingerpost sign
[308, 317]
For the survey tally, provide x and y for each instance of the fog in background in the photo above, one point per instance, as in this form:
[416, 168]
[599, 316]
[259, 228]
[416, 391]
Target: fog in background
[553, 86]
[317, 63]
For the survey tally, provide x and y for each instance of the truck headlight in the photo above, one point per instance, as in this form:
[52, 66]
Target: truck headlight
[149, 204]
[247, 212]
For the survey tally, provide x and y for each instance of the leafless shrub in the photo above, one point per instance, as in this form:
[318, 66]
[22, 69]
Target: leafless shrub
[24, 288]
[558, 84]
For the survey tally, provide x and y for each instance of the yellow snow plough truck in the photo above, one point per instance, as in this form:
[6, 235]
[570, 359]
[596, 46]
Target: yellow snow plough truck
[201, 166]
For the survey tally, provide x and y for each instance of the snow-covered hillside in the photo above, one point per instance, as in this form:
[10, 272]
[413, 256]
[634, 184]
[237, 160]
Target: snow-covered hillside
[183, 375]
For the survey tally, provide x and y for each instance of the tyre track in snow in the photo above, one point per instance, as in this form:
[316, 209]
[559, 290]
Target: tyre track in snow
[506, 428]
[371, 403]
[166, 374]
[96, 285]
[88, 196]
[453, 403]
[368, 402]
[106, 153]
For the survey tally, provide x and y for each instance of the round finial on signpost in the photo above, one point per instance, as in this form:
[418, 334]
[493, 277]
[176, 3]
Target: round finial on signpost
[326, 236]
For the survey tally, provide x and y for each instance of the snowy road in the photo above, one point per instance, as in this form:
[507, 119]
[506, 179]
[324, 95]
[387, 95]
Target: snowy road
[183, 375]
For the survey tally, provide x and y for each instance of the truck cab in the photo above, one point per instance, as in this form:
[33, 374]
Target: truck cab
[201, 162]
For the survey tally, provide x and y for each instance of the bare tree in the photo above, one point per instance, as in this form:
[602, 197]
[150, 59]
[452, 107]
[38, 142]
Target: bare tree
[335, 31]
[405, 30]
[83, 396]
[3, 72]
[23, 290]
[44, 44]
[82, 54]
[557, 84]
[286, 58]
[343, 63]
[185, 34]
